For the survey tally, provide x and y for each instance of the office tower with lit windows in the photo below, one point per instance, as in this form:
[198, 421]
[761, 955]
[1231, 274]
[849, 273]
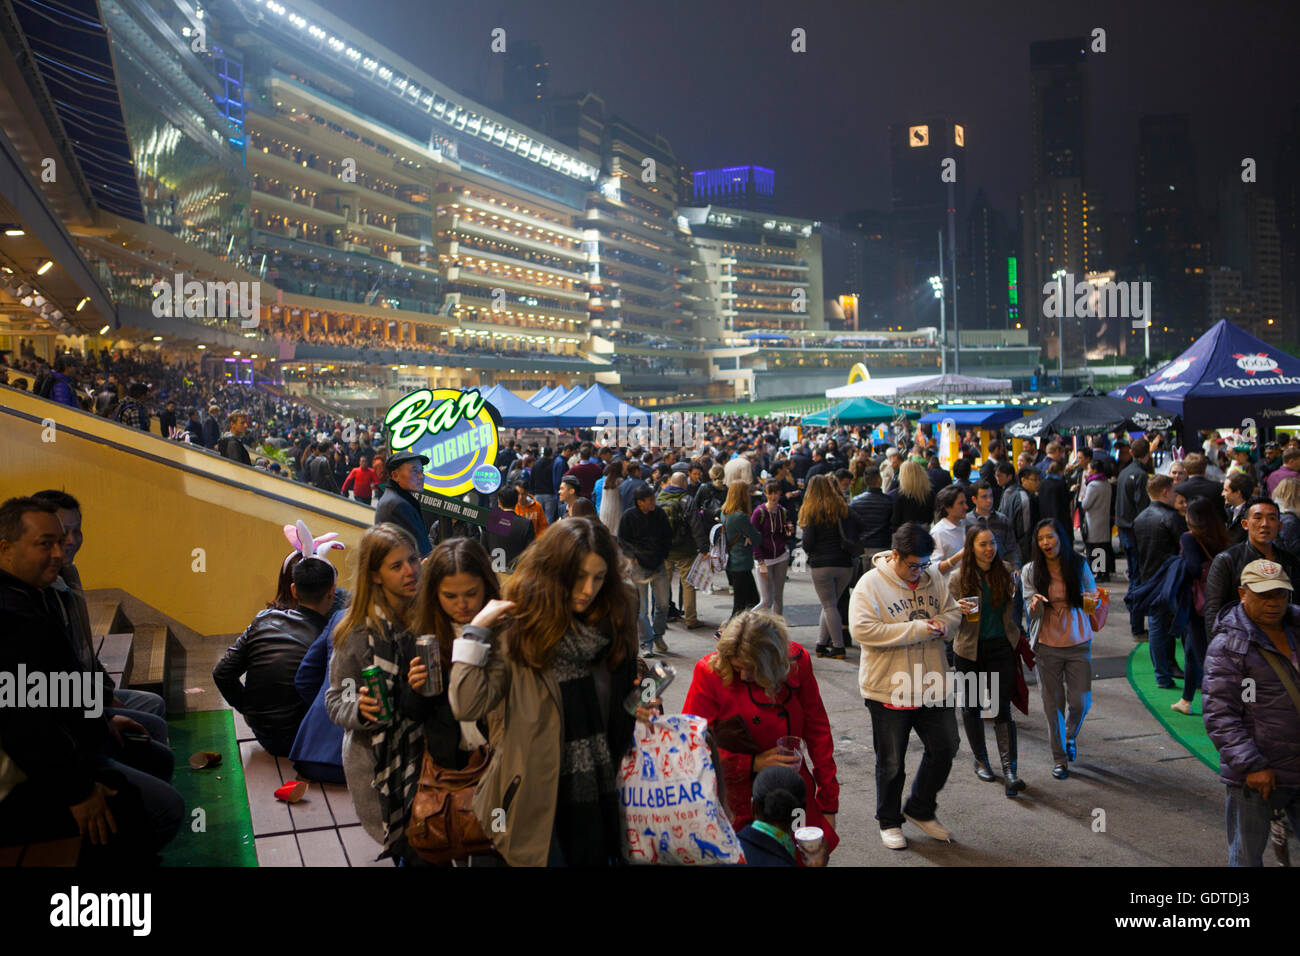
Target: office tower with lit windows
[923, 203]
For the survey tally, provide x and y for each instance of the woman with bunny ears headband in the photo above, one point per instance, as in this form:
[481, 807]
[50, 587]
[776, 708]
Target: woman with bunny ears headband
[304, 546]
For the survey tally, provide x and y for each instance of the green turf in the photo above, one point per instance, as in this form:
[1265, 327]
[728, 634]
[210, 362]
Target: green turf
[1187, 730]
[227, 835]
[812, 403]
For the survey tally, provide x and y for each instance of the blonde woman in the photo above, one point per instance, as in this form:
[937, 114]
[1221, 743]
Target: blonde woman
[915, 498]
[740, 538]
[756, 688]
[830, 535]
[1287, 496]
[381, 757]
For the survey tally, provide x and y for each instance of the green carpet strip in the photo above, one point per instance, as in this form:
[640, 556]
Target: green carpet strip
[223, 834]
[1187, 730]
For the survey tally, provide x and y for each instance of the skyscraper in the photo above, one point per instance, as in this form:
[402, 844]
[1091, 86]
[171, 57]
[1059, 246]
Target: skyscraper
[927, 192]
[739, 187]
[984, 291]
[1170, 245]
[1054, 212]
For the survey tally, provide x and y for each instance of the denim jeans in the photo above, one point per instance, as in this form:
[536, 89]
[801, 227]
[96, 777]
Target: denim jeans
[1248, 818]
[936, 727]
[550, 506]
[1161, 645]
[652, 594]
[1128, 541]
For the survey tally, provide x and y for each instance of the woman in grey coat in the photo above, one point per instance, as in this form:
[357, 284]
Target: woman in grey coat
[387, 579]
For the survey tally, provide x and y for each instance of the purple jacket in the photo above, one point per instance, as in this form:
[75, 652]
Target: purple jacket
[1264, 733]
[773, 531]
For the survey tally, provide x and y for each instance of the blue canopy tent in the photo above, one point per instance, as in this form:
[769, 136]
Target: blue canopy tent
[1225, 376]
[514, 411]
[994, 416]
[556, 398]
[542, 395]
[585, 410]
[856, 411]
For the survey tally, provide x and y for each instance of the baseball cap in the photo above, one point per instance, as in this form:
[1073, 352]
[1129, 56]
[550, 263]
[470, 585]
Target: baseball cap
[1262, 575]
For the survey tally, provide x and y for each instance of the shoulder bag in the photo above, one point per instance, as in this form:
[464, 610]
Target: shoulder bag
[442, 825]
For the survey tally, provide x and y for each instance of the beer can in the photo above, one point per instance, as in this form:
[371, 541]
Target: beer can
[377, 688]
[426, 648]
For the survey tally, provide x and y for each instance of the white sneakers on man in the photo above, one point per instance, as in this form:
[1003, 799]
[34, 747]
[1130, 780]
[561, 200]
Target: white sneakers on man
[893, 838]
[931, 828]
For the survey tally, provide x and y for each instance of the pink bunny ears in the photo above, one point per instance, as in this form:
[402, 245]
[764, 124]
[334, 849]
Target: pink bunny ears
[301, 538]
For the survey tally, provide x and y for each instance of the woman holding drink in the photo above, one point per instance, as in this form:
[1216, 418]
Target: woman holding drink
[986, 647]
[1060, 593]
[456, 582]
[381, 748]
[758, 693]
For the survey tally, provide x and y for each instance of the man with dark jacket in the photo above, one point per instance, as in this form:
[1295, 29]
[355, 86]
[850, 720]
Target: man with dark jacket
[1020, 508]
[1130, 501]
[399, 504]
[646, 537]
[320, 473]
[212, 428]
[543, 485]
[507, 531]
[1257, 734]
[631, 483]
[1197, 485]
[821, 465]
[1262, 520]
[674, 501]
[1157, 530]
[874, 511]
[1238, 488]
[231, 444]
[800, 462]
[988, 470]
[194, 428]
[267, 656]
[1054, 496]
[57, 778]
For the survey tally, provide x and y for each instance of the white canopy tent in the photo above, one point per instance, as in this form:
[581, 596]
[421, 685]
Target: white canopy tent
[904, 385]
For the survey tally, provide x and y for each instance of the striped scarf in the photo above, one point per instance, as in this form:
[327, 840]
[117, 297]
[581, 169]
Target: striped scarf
[398, 742]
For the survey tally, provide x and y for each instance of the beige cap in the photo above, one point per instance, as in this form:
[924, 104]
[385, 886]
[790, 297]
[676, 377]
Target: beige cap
[1263, 575]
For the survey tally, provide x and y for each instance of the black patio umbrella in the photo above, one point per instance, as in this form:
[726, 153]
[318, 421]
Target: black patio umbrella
[1087, 412]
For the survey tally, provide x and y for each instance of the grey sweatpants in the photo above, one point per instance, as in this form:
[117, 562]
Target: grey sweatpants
[830, 584]
[771, 586]
[1064, 678]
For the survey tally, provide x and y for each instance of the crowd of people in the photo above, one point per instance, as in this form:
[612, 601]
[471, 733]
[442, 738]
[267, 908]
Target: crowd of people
[547, 619]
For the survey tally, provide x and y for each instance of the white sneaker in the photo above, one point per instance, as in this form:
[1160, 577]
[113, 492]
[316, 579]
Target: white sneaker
[931, 828]
[893, 838]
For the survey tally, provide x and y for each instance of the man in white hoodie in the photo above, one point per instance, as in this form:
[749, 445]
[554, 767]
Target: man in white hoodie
[901, 613]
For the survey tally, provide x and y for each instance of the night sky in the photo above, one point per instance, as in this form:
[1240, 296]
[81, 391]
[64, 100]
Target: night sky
[718, 79]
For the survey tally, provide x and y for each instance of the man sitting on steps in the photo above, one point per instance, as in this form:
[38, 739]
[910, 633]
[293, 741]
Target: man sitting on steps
[267, 656]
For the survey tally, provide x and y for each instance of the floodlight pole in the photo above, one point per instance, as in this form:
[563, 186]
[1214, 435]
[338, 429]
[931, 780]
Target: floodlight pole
[943, 320]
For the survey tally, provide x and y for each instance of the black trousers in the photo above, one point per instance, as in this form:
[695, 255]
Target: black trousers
[744, 591]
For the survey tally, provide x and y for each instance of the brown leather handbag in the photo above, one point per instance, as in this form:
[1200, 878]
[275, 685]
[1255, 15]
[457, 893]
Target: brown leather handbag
[442, 825]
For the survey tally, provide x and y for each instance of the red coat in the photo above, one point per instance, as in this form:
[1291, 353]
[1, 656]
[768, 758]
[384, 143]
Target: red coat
[797, 712]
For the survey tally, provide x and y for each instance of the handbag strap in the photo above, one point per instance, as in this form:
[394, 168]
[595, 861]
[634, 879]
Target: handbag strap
[1285, 678]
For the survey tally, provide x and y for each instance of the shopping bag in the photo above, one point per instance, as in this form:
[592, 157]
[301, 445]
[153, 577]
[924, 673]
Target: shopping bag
[669, 789]
[700, 576]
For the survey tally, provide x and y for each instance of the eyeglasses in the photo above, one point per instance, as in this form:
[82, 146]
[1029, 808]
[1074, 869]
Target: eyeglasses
[915, 566]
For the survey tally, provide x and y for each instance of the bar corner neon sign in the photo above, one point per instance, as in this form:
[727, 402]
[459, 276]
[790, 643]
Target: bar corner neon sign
[456, 430]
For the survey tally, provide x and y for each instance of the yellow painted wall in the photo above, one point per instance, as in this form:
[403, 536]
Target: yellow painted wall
[143, 519]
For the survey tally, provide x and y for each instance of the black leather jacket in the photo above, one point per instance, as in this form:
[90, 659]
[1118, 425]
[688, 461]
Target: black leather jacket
[267, 656]
[875, 513]
[1157, 531]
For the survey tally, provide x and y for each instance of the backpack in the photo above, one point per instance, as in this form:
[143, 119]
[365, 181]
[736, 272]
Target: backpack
[702, 514]
[676, 511]
[717, 548]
